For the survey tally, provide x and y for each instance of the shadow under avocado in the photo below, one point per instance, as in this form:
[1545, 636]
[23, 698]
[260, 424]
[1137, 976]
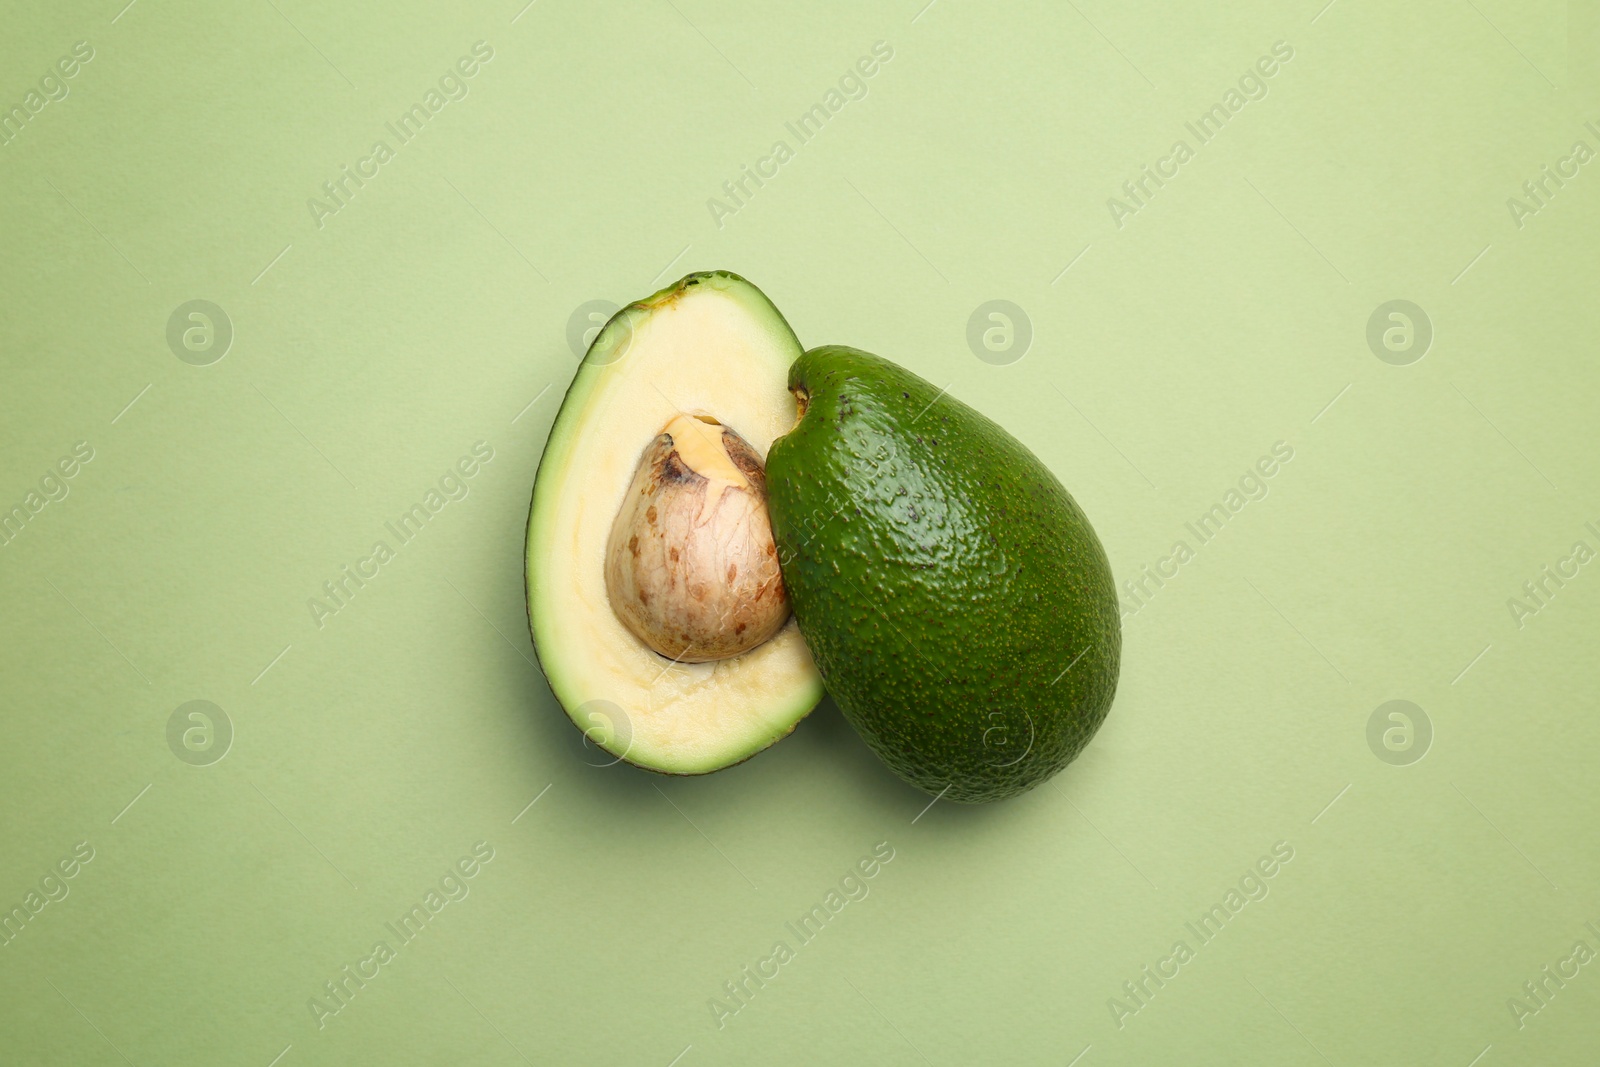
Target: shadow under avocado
[823, 739]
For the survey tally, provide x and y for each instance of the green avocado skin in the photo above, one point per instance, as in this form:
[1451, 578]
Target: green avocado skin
[955, 598]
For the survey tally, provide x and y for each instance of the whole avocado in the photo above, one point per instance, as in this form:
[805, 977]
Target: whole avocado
[953, 595]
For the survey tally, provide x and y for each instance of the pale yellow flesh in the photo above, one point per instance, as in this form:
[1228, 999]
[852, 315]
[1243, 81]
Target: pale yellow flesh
[699, 354]
[699, 445]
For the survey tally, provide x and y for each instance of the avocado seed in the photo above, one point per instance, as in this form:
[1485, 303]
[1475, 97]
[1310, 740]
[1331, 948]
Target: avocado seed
[691, 568]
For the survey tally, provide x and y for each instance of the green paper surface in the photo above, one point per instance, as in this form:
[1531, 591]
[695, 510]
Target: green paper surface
[1377, 260]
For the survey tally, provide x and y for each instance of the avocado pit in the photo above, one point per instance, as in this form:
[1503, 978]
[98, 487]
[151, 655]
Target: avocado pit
[690, 566]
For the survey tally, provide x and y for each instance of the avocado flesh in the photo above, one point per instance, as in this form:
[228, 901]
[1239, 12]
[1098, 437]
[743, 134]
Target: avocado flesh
[954, 596]
[711, 345]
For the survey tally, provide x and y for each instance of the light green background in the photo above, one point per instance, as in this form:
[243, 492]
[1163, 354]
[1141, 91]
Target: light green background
[368, 355]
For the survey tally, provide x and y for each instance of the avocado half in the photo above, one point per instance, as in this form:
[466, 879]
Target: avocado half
[957, 600]
[712, 346]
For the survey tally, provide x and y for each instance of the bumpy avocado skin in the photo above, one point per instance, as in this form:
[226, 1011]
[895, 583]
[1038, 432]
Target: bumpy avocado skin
[954, 596]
